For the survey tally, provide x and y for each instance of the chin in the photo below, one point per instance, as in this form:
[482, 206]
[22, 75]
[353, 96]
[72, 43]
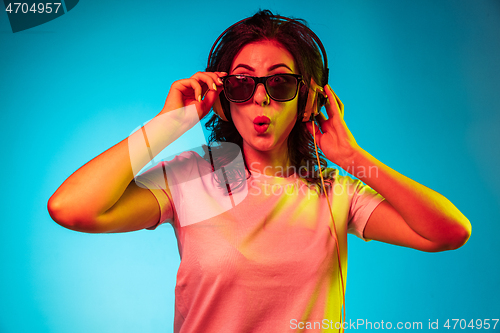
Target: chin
[264, 143]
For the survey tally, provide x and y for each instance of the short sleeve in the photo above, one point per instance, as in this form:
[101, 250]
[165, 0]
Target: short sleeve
[182, 186]
[364, 200]
[155, 180]
[160, 179]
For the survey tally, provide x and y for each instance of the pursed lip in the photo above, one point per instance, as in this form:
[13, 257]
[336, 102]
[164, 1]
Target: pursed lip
[261, 124]
[261, 120]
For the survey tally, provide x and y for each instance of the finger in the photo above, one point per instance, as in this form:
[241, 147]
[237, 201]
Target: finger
[207, 93]
[315, 131]
[206, 82]
[321, 118]
[331, 106]
[218, 76]
[208, 79]
[337, 102]
[209, 100]
[190, 88]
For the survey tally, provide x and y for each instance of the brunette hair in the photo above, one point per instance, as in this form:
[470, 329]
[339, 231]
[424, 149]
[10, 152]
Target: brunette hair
[294, 36]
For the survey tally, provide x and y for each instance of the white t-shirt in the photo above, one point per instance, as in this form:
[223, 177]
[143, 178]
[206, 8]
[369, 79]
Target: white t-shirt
[264, 258]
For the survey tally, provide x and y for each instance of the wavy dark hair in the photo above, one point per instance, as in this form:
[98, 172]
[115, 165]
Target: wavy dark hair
[294, 36]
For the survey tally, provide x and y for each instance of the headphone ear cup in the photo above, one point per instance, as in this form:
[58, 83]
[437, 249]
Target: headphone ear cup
[217, 107]
[314, 100]
[311, 105]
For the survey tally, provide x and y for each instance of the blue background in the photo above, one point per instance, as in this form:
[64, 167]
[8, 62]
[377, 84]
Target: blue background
[420, 82]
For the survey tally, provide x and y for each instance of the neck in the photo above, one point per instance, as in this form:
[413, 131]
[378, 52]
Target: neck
[269, 163]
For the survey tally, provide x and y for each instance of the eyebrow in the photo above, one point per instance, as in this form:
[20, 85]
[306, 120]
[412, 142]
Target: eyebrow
[273, 67]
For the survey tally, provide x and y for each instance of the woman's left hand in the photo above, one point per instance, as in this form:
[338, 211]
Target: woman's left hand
[333, 137]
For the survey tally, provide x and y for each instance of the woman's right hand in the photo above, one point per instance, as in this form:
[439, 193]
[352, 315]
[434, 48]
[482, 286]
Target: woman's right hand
[101, 196]
[200, 90]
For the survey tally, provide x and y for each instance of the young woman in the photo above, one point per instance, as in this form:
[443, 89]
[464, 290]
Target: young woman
[262, 239]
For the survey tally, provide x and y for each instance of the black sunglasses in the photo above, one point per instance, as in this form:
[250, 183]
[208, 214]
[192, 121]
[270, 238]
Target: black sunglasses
[280, 87]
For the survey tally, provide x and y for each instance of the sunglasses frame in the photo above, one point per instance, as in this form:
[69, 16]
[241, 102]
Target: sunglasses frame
[263, 80]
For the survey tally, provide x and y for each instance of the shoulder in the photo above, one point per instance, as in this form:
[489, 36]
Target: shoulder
[184, 159]
[341, 183]
[336, 177]
[182, 167]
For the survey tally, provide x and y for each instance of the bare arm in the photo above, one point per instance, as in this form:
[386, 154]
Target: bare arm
[101, 196]
[412, 215]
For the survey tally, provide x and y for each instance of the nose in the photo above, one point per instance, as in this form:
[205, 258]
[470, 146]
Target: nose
[260, 96]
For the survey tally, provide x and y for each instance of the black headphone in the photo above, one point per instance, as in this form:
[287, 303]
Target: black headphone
[316, 98]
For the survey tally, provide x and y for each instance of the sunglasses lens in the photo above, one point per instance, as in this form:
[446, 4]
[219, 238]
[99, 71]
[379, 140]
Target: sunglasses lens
[282, 87]
[239, 88]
